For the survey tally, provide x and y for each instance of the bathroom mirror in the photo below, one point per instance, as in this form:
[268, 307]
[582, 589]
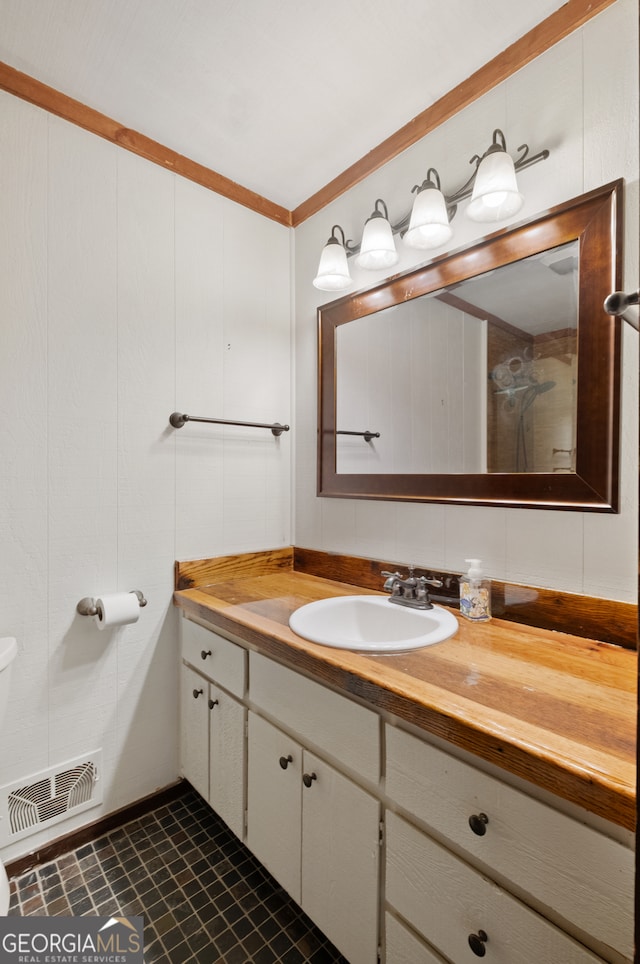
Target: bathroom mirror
[486, 376]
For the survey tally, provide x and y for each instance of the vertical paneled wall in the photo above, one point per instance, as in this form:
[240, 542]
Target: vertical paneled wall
[576, 102]
[126, 293]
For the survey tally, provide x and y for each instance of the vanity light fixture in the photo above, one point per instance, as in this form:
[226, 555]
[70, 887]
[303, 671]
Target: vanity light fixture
[495, 189]
[429, 223]
[377, 248]
[494, 194]
[333, 270]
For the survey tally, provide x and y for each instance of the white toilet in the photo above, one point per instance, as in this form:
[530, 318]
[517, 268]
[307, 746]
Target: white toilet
[8, 650]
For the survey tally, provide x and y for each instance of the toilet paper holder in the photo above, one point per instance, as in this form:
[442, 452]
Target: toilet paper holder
[87, 605]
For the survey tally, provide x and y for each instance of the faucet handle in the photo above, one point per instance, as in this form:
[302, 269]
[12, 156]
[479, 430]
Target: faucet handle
[427, 580]
[390, 582]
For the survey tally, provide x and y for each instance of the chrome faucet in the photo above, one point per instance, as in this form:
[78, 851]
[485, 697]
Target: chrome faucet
[411, 591]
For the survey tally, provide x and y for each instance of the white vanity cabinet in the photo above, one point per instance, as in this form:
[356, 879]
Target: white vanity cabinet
[318, 833]
[391, 842]
[213, 722]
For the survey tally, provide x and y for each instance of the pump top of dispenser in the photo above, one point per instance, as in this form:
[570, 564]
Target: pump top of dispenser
[475, 569]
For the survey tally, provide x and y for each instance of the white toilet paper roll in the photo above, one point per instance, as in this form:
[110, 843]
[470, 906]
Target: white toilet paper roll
[117, 609]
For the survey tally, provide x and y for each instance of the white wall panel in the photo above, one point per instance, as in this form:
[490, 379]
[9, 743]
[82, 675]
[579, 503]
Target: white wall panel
[420, 534]
[23, 430]
[199, 369]
[233, 333]
[81, 432]
[545, 108]
[256, 378]
[146, 332]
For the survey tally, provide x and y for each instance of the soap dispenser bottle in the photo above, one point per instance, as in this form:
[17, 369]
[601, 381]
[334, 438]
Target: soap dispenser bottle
[475, 593]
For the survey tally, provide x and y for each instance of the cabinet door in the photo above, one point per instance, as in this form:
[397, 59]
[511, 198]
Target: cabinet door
[274, 781]
[340, 860]
[194, 731]
[227, 758]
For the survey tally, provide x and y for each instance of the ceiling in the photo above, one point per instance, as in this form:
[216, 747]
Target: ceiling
[280, 96]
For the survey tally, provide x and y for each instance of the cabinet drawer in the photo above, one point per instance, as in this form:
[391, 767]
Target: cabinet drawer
[403, 947]
[448, 902]
[318, 716]
[214, 656]
[577, 873]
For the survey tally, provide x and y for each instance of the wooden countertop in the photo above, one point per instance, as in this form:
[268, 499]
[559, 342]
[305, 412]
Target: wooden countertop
[554, 709]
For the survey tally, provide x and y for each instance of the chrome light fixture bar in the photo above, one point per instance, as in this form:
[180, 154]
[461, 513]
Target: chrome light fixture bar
[494, 195]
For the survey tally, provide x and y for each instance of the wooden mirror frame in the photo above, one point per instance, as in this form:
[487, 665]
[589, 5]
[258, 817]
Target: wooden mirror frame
[595, 220]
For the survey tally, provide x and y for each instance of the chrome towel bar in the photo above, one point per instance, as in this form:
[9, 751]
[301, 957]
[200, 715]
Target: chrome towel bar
[177, 419]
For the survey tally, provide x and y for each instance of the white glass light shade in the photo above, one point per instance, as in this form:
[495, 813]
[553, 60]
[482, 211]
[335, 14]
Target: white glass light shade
[429, 224]
[377, 249]
[333, 270]
[495, 192]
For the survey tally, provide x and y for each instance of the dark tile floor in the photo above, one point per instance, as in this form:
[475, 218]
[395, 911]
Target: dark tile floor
[203, 896]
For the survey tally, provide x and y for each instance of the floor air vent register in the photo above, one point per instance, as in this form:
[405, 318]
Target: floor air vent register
[49, 797]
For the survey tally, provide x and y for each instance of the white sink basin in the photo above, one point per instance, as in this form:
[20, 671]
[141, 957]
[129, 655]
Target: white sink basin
[371, 624]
